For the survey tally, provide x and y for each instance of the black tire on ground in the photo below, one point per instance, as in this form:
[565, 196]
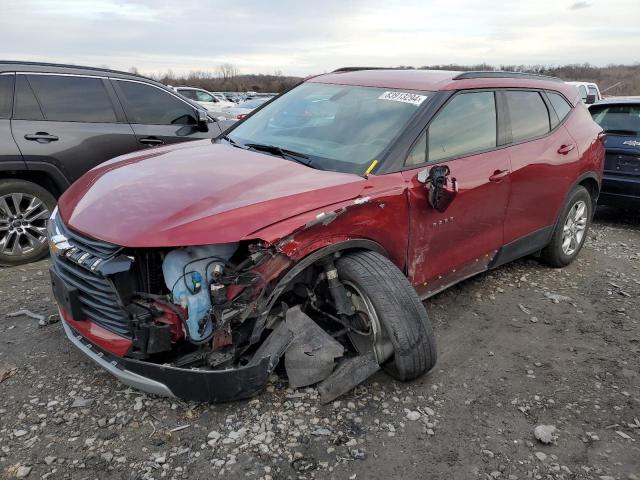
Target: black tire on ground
[553, 254]
[10, 186]
[399, 310]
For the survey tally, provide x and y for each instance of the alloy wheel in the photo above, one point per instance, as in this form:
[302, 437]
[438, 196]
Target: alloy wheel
[368, 322]
[574, 228]
[23, 224]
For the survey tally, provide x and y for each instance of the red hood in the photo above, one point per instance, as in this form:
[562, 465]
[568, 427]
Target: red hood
[196, 193]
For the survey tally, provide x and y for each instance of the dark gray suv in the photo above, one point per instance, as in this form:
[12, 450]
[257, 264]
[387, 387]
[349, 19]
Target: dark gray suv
[58, 121]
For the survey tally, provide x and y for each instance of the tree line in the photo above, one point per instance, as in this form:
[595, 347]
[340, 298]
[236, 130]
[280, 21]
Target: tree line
[612, 79]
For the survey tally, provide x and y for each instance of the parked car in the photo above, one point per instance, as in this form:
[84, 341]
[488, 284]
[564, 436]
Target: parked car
[214, 259]
[588, 91]
[245, 107]
[64, 120]
[620, 119]
[208, 100]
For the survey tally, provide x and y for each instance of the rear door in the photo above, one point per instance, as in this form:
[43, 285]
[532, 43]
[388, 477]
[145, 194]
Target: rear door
[159, 117]
[69, 121]
[543, 161]
[10, 158]
[445, 247]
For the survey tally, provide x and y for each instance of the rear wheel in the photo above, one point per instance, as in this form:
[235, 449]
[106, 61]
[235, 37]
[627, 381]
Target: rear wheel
[571, 229]
[391, 319]
[25, 209]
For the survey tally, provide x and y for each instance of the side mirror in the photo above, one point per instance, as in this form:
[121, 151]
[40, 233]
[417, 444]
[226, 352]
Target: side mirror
[203, 120]
[441, 189]
[591, 98]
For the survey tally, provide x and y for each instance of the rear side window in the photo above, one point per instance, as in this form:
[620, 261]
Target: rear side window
[467, 124]
[191, 94]
[583, 92]
[72, 99]
[6, 95]
[26, 106]
[529, 115]
[560, 105]
[149, 105]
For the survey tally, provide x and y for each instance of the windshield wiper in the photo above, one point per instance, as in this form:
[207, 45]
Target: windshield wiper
[232, 141]
[282, 152]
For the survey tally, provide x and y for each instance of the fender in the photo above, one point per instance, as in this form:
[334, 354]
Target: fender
[352, 244]
[586, 175]
[54, 173]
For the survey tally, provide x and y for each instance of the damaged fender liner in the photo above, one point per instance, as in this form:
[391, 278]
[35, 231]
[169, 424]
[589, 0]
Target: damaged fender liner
[187, 384]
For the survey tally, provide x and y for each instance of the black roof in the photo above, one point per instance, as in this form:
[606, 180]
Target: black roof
[14, 65]
[503, 74]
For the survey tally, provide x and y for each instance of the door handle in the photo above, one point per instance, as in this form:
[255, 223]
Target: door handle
[41, 137]
[564, 149]
[151, 141]
[498, 175]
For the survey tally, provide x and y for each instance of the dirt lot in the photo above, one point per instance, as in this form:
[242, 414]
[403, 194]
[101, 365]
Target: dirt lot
[515, 353]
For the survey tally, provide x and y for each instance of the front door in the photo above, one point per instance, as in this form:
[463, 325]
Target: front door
[158, 117]
[447, 246]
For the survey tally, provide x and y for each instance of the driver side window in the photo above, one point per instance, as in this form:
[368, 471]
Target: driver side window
[466, 125]
[147, 105]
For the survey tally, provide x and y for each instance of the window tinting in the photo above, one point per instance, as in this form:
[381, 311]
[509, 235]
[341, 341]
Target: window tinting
[623, 119]
[72, 99]
[467, 124]
[528, 114]
[149, 105]
[191, 94]
[205, 97]
[560, 105]
[26, 107]
[6, 95]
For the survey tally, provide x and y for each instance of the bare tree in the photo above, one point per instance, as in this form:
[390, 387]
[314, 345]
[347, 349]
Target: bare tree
[228, 71]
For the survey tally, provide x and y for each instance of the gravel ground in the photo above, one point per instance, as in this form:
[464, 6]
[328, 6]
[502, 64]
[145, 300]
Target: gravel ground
[519, 347]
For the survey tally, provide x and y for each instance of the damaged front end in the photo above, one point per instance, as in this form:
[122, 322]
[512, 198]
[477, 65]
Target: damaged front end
[205, 323]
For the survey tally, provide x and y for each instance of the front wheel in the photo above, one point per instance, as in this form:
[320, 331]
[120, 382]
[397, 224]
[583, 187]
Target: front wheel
[24, 211]
[571, 230]
[392, 319]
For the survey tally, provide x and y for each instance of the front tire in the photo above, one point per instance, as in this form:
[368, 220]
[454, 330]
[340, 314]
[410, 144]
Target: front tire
[400, 312]
[571, 230]
[25, 208]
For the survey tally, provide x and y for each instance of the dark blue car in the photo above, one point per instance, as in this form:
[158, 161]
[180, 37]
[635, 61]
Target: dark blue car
[620, 119]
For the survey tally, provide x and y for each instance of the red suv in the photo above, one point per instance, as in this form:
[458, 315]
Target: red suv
[313, 229]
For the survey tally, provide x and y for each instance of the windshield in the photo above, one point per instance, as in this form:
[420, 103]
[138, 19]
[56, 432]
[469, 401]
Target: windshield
[623, 119]
[337, 127]
[253, 103]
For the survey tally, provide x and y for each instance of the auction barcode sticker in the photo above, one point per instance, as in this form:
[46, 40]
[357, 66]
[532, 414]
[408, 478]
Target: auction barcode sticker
[412, 98]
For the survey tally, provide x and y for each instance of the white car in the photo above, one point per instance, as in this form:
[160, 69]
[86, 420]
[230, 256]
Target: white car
[589, 92]
[208, 100]
[244, 108]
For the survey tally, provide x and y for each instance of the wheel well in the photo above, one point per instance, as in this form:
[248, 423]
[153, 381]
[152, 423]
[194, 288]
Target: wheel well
[39, 178]
[593, 188]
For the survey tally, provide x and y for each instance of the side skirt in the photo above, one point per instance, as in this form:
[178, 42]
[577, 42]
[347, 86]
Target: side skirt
[523, 246]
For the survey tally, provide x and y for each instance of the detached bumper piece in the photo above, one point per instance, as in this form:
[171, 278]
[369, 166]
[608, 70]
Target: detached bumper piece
[188, 384]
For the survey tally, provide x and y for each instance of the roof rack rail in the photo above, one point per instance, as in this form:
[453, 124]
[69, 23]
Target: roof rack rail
[356, 69]
[502, 74]
[64, 65]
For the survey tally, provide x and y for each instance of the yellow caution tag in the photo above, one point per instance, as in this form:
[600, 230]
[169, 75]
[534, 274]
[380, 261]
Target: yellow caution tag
[371, 167]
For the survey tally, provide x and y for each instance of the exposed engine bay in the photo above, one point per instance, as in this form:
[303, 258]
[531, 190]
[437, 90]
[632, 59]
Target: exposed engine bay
[211, 309]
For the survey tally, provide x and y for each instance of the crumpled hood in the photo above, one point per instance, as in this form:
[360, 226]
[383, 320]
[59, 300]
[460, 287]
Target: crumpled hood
[196, 193]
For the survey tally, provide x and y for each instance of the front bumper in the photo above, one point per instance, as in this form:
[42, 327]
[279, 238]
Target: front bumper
[188, 384]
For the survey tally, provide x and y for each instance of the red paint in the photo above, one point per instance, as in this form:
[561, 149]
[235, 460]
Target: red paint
[198, 193]
[103, 338]
[432, 80]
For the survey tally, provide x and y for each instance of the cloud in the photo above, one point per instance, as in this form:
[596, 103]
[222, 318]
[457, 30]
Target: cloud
[303, 38]
[580, 5]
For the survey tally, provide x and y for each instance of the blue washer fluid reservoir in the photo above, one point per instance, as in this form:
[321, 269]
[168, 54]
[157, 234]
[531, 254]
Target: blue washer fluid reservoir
[192, 290]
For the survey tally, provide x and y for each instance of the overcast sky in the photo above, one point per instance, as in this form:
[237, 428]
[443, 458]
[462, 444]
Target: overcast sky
[304, 37]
